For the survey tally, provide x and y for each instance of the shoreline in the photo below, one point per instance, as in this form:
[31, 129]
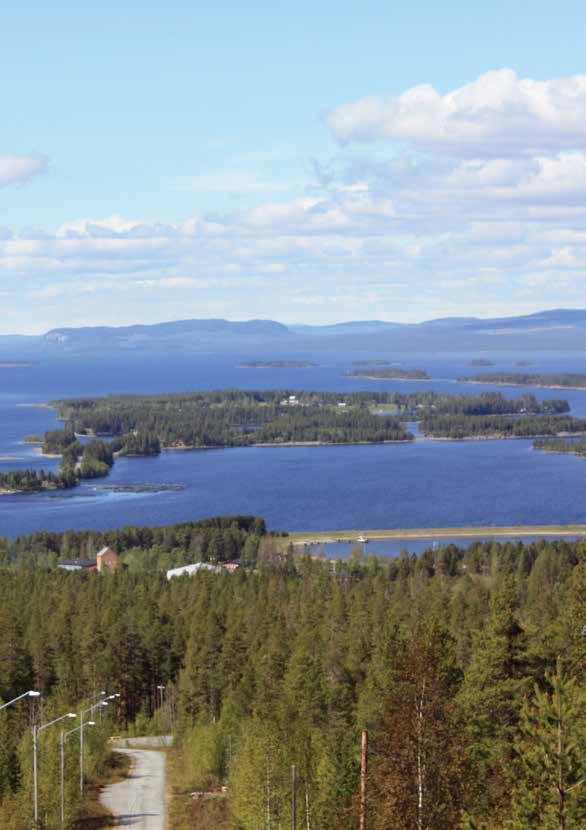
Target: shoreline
[521, 385]
[305, 539]
[374, 377]
[500, 437]
[285, 444]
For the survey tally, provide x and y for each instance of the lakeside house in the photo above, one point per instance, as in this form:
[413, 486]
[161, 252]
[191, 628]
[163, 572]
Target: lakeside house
[106, 560]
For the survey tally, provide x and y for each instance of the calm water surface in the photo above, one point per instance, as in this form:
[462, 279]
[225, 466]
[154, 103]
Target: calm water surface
[425, 484]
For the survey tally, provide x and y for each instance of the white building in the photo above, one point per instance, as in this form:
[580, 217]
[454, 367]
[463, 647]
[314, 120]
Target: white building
[189, 570]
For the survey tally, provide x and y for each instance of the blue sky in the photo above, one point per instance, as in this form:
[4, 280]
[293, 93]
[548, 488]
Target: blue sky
[310, 162]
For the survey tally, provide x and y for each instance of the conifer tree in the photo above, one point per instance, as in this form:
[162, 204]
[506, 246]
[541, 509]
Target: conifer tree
[491, 698]
[551, 747]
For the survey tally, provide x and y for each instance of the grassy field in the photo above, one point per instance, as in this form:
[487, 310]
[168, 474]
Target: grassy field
[329, 536]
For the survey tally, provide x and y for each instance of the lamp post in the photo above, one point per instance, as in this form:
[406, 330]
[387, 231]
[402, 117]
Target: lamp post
[64, 736]
[161, 695]
[107, 699]
[36, 732]
[30, 693]
[99, 705]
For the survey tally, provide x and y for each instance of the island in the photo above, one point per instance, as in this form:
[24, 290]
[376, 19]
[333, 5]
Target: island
[560, 445]
[561, 380]
[480, 361]
[460, 427]
[389, 373]
[278, 364]
[96, 431]
[88, 460]
[240, 418]
[233, 418]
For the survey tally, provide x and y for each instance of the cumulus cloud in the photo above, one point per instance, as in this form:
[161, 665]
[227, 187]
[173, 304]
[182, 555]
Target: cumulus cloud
[479, 206]
[19, 169]
[497, 114]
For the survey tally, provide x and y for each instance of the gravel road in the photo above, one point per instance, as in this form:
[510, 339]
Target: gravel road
[138, 802]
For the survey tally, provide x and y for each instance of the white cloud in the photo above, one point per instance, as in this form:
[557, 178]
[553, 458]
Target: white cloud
[490, 208]
[16, 169]
[498, 114]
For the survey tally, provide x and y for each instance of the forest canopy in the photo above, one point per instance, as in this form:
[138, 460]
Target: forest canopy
[468, 659]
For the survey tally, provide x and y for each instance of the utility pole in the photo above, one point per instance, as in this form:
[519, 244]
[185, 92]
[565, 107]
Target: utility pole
[363, 775]
[293, 797]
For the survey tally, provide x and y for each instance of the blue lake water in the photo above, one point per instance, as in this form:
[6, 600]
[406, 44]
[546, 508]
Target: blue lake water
[394, 547]
[425, 484]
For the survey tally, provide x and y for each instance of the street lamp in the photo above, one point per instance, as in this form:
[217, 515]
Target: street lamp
[36, 732]
[64, 736]
[161, 691]
[99, 705]
[20, 697]
[106, 699]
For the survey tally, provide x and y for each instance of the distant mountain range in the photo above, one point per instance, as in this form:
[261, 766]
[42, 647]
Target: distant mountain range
[554, 329]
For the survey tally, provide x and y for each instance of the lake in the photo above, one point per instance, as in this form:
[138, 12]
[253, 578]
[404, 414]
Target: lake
[424, 484]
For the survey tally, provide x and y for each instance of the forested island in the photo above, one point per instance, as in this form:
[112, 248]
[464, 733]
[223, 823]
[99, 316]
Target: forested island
[465, 664]
[35, 481]
[278, 364]
[500, 426]
[481, 361]
[87, 460]
[98, 430]
[560, 445]
[389, 373]
[562, 380]
[233, 417]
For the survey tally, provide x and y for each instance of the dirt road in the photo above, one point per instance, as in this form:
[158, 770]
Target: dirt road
[138, 802]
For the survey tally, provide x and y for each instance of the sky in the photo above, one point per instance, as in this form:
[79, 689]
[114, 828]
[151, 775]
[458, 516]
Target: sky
[305, 162]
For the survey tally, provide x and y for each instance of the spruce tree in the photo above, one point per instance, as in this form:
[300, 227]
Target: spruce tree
[551, 747]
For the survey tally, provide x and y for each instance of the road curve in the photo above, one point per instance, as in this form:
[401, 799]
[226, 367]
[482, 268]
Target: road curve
[138, 802]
